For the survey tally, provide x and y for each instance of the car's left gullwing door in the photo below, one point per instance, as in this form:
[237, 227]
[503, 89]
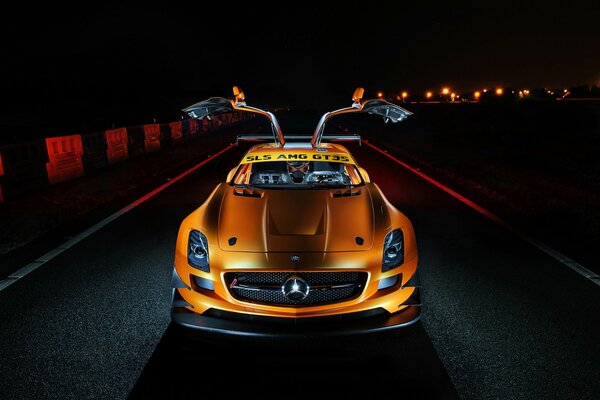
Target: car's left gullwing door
[219, 105]
[206, 108]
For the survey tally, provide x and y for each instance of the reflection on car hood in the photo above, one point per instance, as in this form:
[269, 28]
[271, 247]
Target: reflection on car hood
[275, 220]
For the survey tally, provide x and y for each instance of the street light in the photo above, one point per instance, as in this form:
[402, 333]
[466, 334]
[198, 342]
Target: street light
[428, 95]
[477, 95]
[445, 90]
[380, 94]
[404, 96]
[499, 91]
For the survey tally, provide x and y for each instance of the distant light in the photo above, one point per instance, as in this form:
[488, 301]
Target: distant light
[477, 94]
[565, 90]
[499, 91]
[452, 95]
[379, 94]
[404, 95]
[484, 90]
[428, 95]
[445, 90]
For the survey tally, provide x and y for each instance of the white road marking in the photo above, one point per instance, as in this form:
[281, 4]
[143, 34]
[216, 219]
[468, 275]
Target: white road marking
[32, 266]
[575, 266]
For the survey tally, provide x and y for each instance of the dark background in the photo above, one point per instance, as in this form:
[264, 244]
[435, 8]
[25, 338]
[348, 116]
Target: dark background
[91, 67]
[500, 318]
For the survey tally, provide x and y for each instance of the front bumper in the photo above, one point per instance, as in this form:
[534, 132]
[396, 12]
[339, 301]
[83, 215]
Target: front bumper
[224, 322]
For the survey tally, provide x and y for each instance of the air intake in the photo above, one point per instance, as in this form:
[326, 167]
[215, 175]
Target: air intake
[346, 193]
[247, 192]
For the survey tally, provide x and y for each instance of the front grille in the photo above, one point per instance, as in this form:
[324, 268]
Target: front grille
[266, 287]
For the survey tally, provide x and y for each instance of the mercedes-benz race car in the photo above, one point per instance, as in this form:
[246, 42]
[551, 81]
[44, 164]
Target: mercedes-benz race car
[296, 241]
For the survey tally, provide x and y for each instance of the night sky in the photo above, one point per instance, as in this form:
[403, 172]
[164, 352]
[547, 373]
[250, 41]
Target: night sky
[122, 63]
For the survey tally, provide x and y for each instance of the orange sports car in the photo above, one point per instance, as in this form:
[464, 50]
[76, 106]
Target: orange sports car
[297, 240]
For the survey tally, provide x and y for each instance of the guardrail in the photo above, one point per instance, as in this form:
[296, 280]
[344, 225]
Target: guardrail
[32, 166]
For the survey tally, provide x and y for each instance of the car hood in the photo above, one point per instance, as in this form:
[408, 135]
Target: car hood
[275, 220]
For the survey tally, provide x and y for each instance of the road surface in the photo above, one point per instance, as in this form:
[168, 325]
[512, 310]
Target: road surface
[500, 320]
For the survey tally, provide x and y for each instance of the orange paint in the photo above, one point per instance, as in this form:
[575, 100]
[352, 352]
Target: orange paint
[295, 231]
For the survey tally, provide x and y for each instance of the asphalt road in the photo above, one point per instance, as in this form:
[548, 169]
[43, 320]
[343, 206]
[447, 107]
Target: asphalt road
[500, 320]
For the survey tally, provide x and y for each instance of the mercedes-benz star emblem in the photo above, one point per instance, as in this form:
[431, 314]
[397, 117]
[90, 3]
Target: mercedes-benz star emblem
[295, 288]
[295, 258]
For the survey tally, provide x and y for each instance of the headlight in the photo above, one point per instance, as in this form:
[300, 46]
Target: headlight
[198, 251]
[393, 250]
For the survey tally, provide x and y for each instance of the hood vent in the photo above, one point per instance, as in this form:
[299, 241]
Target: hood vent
[246, 192]
[345, 193]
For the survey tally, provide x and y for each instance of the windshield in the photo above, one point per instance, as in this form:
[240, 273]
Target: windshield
[297, 174]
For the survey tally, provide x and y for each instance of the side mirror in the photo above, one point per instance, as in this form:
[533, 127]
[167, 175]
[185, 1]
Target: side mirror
[231, 174]
[364, 175]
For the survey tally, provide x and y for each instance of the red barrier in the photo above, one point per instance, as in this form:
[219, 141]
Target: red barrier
[194, 126]
[29, 167]
[151, 137]
[64, 156]
[176, 131]
[117, 149]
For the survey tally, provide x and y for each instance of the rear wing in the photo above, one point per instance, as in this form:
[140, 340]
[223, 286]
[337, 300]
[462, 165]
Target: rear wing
[219, 105]
[389, 112]
[303, 138]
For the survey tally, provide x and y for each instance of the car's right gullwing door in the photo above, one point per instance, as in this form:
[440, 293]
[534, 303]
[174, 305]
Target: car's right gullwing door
[389, 112]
